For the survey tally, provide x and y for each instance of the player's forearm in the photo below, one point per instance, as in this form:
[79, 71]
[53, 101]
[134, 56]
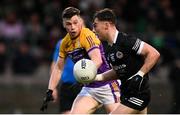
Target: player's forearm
[98, 63]
[106, 76]
[54, 79]
[150, 60]
[96, 57]
[52, 66]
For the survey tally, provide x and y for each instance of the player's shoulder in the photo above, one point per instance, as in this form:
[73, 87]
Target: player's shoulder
[88, 37]
[66, 38]
[126, 36]
[130, 35]
[86, 32]
[123, 35]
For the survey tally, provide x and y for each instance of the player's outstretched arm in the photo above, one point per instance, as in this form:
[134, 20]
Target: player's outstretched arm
[106, 76]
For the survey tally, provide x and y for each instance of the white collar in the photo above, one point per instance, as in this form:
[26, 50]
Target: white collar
[115, 37]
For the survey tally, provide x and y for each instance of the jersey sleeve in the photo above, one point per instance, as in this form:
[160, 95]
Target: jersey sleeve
[89, 40]
[134, 44]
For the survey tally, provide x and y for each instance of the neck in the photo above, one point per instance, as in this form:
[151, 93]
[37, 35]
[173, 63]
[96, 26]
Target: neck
[111, 35]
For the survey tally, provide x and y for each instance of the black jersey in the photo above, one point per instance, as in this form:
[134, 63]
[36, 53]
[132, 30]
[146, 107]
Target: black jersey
[123, 57]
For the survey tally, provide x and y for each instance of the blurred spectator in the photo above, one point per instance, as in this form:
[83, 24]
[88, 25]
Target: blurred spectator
[3, 58]
[50, 41]
[36, 35]
[23, 62]
[90, 5]
[173, 44]
[11, 28]
[167, 15]
[12, 31]
[164, 43]
[175, 79]
[35, 30]
[86, 5]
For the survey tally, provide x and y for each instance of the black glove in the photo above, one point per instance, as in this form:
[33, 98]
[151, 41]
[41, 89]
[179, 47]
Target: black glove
[47, 99]
[134, 83]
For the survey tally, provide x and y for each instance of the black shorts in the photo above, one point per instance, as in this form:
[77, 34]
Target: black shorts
[138, 100]
[67, 94]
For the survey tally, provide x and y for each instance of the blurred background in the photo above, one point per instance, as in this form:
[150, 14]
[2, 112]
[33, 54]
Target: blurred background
[29, 30]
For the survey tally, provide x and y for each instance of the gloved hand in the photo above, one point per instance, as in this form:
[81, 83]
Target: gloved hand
[47, 99]
[135, 82]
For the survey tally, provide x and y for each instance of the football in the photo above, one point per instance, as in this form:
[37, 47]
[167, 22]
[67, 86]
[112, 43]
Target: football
[85, 71]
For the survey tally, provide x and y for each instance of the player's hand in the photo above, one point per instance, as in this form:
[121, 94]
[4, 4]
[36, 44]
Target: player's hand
[47, 99]
[135, 82]
[55, 95]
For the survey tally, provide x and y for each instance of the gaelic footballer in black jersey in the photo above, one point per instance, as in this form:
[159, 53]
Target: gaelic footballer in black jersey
[131, 60]
[124, 56]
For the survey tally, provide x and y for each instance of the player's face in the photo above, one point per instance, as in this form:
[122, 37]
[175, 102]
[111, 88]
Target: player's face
[73, 26]
[99, 28]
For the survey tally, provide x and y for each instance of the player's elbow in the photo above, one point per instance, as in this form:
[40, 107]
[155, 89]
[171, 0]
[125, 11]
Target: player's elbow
[156, 55]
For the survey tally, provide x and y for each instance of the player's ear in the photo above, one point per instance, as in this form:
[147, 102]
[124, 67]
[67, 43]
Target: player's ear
[63, 24]
[82, 22]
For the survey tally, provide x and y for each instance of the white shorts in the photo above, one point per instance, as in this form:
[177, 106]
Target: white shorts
[107, 94]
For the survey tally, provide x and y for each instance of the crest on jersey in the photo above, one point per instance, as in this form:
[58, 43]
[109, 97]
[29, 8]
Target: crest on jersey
[119, 54]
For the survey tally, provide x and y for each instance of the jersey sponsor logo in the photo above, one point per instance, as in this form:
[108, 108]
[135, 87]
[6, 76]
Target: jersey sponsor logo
[77, 54]
[122, 66]
[136, 101]
[112, 58]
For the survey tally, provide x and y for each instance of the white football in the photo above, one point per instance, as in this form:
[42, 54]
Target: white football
[85, 71]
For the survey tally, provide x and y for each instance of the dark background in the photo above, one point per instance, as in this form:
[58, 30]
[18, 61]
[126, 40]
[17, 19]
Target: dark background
[29, 30]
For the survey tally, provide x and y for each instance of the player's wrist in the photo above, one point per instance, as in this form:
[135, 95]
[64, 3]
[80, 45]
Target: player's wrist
[141, 73]
[49, 91]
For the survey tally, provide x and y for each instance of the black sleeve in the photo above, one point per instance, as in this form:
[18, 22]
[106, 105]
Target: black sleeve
[132, 43]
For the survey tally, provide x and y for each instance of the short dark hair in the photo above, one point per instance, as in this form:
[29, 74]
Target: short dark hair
[70, 12]
[105, 15]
